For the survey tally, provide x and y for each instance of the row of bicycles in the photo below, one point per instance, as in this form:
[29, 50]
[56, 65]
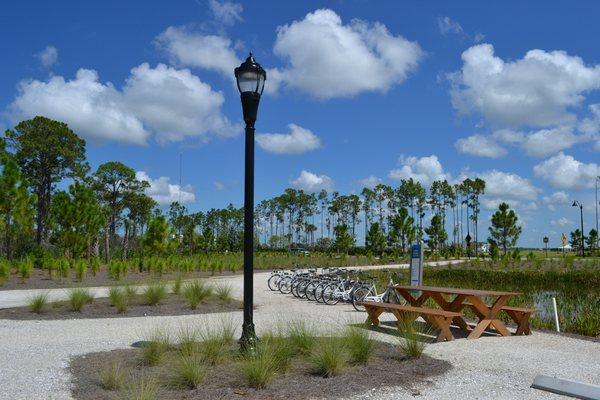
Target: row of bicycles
[333, 285]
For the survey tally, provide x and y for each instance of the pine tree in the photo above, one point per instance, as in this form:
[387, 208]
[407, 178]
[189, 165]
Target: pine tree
[504, 230]
[375, 239]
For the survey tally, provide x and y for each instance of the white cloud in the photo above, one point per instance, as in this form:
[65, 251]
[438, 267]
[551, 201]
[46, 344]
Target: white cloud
[447, 25]
[591, 125]
[565, 172]
[226, 12]
[508, 187]
[478, 37]
[556, 199]
[536, 90]
[165, 193]
[219, 186]
[481, 146]
[546, 142]
[192, 49]
[561, 222]
[508, 136]
[328, 59]
[311, 182]
[298, 141]
[48, 57]
[171, 103]
[370, 182]
[424, 170]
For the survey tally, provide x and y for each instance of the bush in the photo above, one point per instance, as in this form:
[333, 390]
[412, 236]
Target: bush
[156, 347]
[410, 344]
[118, 299]
[359, 344]
[25, 267]
[80, 269]
[155, 293]
[195, 292]
[113, 377]
[142, 389]
[188, 372]
[223, 293]
[328, 360]
[38, 303]
[79, 298]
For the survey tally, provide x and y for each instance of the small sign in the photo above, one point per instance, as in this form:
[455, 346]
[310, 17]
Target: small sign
[546, 239]
[416, 265]
[563, 239]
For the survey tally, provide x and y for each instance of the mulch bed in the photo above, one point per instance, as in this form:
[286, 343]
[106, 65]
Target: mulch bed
[385, 369]
[100, 308]
[40, 279]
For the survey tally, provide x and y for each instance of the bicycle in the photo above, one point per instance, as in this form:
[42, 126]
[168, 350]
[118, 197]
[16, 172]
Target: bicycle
[368, 292]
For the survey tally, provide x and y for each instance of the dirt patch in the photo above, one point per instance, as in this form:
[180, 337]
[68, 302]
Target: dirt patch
[385, 369]
[101, 308]
[40, 279]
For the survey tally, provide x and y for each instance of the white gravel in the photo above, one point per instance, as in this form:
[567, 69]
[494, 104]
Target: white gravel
[34, 355]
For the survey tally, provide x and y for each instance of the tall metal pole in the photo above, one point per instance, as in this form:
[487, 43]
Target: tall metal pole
[597, 233]
[582, 236]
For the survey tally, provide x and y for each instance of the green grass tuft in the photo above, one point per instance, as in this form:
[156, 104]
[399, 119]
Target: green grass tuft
[260, 367]
[113, 377]
[195, 292]
[118, 298]
[79, 298]
[359, 344]
[188, 372]
[329, 359]
[223, 293]
[155, 349]
[301, 336]
[154, 294]
[38, 303]
[142, 389]
[410, 344]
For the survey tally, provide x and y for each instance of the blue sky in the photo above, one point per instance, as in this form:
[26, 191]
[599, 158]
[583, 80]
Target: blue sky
[381, 90]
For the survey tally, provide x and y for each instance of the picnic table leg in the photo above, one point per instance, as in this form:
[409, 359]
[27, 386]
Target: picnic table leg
[443, 323]
[522, 321]
[489, 318]
[415, 302]
[373, 314]
[455, 305]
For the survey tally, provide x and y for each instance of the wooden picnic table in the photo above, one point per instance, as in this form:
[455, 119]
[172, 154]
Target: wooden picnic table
[487, 314]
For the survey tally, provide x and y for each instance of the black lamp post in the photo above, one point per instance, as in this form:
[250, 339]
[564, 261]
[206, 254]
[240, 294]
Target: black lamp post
[250, 77]
[578, 204]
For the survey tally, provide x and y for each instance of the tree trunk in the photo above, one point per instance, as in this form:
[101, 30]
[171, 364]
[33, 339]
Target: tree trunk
[106, 244]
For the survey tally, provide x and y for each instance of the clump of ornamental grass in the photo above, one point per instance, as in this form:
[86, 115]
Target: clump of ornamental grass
[142, 389]
[196, 292]
[359, 344]
[223, 293]
[187, 372]
[187, 341]
[260, 366]
[176, 288]
[301, 336]
[130, 291]
[155, 347]
[80, 269]
[410, 344]
[113, 376]
[38, 303]
[329, 359]
[79, 298]
[154, 294]
[118, 298]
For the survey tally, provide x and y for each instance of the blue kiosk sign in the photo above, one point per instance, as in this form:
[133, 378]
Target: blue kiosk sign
[416, 265]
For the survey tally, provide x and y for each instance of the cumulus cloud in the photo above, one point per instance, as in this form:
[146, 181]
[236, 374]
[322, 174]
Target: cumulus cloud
[536, 90]
[226, 12]
[446, 25]
[48, 57]
[424, 170]
[311, 182]
[165, 193]
[480, 146]
[507, 187]
[170, 103]
[193, 49]
[565, 172]
[327, 58]
[370, 182]
[556, 199]
[298, 141]
[546, 142]
[562, 221]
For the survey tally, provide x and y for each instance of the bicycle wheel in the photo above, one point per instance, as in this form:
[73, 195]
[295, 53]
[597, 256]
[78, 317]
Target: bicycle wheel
[309, 291]
[319, 293]
[284, 285]
[272, 282]
[301, 290]
[359, 295]
[329, 295]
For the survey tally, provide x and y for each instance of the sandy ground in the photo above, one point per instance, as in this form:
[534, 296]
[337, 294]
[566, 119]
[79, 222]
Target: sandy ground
[34, 355]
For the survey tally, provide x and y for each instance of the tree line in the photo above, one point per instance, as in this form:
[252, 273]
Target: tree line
[106, 212]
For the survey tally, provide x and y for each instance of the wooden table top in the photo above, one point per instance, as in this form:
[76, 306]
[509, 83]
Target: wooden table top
[467, 292]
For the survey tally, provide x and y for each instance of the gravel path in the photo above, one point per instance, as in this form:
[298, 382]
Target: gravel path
[34, 355]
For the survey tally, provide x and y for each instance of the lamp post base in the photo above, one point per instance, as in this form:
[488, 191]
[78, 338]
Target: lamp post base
[248, 340]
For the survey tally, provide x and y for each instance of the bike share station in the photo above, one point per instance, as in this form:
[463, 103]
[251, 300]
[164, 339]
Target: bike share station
[416, 265]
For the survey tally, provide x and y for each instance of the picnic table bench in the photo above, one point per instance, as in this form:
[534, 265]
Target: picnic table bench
[439, 318]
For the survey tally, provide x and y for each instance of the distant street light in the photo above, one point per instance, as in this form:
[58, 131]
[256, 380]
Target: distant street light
[250, 77]
[578, 204]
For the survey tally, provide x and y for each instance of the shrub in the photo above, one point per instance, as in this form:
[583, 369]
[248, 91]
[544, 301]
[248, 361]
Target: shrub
[157, 345]
[79, 298]
[4, 269]
[328, 360]
[195, 292]
[223, 293]
[359, 344]
[25, 267]
[142, 389]
[188, 372]
[155, 293]
[118, 299]
[80, 269]
[112, 377]
[410, 344]
[301, 337]
[38, 303]
[95, 265]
